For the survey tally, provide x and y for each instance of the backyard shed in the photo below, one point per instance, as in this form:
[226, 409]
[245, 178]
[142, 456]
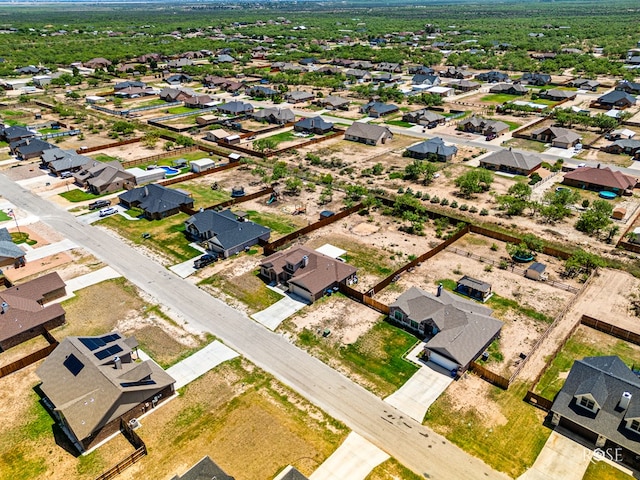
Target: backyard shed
[202, 165]
[473, 288]
[146, 176]
[619, 213]
[536, 271]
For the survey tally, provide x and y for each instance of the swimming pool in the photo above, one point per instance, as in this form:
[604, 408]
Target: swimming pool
[607, 195]
[170, 170]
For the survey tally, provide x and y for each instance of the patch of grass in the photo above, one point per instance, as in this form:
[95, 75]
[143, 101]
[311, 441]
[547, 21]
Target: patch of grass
[586, 342]
[247, 288]
[604, 471]
[21, 237]
[283, 137]
[377, 356]
[181, 109]
[44, 131]
[151, 103]
[203, 195]
[4, 217]
[512, 125]
[399, 123]
[499, 98]
[3, 144]
[278, 223]
[167, 235]
[101, 157]
[77, 195]
[14, 123]
[525, 144]
[91, 464]
[510, 448]
[18, 464]
[392, 470]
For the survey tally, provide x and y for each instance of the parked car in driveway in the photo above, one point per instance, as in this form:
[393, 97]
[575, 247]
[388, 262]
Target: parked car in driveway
[99, 204]
[105, 212]
[204, 260]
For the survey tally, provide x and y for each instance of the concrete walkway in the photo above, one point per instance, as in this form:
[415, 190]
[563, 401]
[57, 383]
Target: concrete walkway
[423, 388]
[273, 316]
[199, 363]
[48, 250]
[560, 457]
[353, 460]
[184, 269]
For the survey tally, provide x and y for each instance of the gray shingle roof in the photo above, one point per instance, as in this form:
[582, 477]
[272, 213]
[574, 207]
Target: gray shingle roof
[154, 198]
[223, 226]
[205, 469]
[9, 249]
[435, 145]
[367, 131]
[511, 159]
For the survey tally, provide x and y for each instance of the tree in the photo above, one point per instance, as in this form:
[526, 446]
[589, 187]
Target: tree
[516, 200]
[595, 218]
[169, 146]
[604, 122]
[557, 203]
[429, 173]
[581, 260]
[293, 185]
[279, 171]
[264, 144]
[474, 181]
[414, 170]
[520, 190]
[184, 141]
[123, 127]
[150, 139]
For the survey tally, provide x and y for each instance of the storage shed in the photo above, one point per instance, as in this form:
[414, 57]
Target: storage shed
[536, 271]
[202, 165]
[473, 288]
[146, 176]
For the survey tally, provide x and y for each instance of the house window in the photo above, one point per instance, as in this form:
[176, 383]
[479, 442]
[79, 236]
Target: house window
[398, 315]
[414, 325]
[634, 425]
[587, 403]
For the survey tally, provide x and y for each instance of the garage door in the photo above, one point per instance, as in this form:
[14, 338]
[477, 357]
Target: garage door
[301, 292]
[442, 361]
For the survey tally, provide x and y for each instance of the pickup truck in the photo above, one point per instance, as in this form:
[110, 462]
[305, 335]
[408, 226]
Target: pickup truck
[204, 260]
[99, 204]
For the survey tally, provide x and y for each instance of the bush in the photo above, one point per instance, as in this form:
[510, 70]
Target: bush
[534, 178]
[426, 196]
[417, 195]
[473, 209]
[488, 268]
[585, 203]
[464, 207]
[401, 190]
[503, 265]
[494, 247]
[444, 202]
[454, 204]
[435, 199]
[484, 212]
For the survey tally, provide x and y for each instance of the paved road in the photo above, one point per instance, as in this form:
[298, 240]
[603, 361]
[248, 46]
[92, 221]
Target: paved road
[414, 445]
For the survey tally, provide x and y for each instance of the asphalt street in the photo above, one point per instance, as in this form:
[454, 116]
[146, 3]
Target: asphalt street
[411, 443]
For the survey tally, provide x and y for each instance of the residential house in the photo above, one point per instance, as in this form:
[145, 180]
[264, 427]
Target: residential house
[456, 72]
[260, 91]
[13, 134]
[128, 84]
[600, 402]
[178, 63]
[585, 84]
[433, 149]
[23, 314]
[333, 102]
[457, 331]
[557, 136]
[616, 98]
[224, 233]
[91, 383]
[359, 74]
[389, 67]
[420, 69]
[97, 63]
[424, 117]
[598, 179]
[224, 59]
[378, 109]
[463, 85]
[175, 94]
[205, 469]
[59, 161]
[492, 77]
[628, 146]
[313, 125]
[10, 253]
[178, 79]
[28, 148]
[509, 88]
[511, 162]
[135, 92]
[290, 473]
[632, 88]
[29, 70]
[156, 201]
[367, 133]
[278, 116]
[308, 273]
[422, 79]
[537, 79]
[558, 95]
[483, 126]
[104, 177]
[299, 97]
[235, 108]
[199, 101]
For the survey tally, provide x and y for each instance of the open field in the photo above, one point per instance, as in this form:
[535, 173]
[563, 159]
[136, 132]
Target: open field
[604, 471]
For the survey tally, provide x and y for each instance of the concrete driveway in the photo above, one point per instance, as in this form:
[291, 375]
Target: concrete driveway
[272, 316]
[184, 269]
[94, 216]
[353, 460]
[425, 386]
[48, 250]
[199, 363]
[560, 457]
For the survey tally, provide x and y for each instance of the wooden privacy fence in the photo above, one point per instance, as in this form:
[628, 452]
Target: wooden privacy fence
[160, 156]
[538, 400]
[336, 133]
[31, 358]
[610, 329]
[138, 444]
[271, 247]
[489, 376]
[108, 145]
[184, 178]
[364, 299]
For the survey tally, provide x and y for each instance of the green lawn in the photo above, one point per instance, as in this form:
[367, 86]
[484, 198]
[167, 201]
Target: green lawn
[586, 342]
[500, 98]
[14, 123]
[182, 109]
[512, 125]
[13, 113]
[77, 195]
[167, 237]
[376, 356]
[202, 194]
[604, 471]
[283, 137]
[511, 447]
[278, 223]
[3, 144]
[44, 131]
[399, 123]
[3, 216]
[21, 237]
[525, 144]
[101, 157]
[151, 103]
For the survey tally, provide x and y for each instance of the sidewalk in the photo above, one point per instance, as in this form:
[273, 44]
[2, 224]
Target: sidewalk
[199, 363]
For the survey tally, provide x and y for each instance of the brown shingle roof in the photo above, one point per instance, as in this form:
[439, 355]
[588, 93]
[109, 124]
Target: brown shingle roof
[604, 177]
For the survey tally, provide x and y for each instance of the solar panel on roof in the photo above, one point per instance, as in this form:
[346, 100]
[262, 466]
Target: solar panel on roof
[110, 338]
[73, 364]
[107, 352]
[92, 343]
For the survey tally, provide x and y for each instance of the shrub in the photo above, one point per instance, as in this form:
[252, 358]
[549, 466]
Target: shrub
[454, 204]
[503, 265]
[473, 209]
[435, 199]
[457, 270]
[444, 202]
[494, 247]
[426, 196]
[417, 195]
[484, 212]
[488, 268]
[585, 203]
[401, 190]
[464, 207]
